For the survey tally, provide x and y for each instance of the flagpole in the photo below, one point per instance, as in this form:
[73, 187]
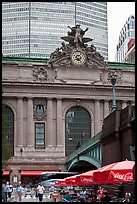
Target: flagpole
[75, 13]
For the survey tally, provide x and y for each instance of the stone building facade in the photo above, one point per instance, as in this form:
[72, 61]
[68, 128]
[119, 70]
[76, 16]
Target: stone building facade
[41, 93]
[62, 89]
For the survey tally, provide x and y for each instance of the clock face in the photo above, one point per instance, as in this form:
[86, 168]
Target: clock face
[78, 58]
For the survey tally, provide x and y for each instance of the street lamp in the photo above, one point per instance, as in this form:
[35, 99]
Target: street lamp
[113, 78]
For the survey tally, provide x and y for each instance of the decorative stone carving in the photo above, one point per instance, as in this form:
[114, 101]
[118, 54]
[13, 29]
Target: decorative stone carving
[40, 74]
[41, 116]
[117, 75]
[77, 50]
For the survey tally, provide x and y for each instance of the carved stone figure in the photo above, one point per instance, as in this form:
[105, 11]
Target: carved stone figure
[40, 74]
[75, 37]
[79, 36]
[76, 51]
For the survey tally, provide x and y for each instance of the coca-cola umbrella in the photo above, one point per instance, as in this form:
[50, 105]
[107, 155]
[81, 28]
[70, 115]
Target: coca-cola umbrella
[85, 178]
[60, 182]
[72, 180]
[117, 172]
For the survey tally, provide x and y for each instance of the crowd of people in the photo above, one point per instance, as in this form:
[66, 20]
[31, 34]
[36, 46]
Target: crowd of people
[7, 190]
[94, 193]
[89, 194]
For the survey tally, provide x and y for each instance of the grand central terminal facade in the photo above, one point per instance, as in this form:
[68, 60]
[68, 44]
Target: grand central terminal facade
[52, 104]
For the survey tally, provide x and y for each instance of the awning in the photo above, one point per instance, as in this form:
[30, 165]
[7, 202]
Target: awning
[6, 172]
[31, 173]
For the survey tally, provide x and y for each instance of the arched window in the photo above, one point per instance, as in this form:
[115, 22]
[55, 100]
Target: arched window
[78, 128]
[8, 121]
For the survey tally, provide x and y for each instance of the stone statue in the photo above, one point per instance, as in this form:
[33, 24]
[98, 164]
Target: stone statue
[75, 37]
[76, 51]
[79, 34]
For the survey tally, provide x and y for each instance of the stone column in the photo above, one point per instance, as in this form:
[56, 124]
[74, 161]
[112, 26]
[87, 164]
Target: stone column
[15, 132]
[106, 108]
[92, 128]
[92, 120]
[30, 124]
[97, 116]
[20, 122]
[50, 142]
[59, 123]
[124, 104]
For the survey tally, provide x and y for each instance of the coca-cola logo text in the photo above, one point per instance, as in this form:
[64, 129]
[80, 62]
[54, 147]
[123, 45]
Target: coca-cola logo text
[84, 179]
[125, 177]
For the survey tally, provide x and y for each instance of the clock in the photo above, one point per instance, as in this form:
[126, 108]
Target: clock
[78, 57]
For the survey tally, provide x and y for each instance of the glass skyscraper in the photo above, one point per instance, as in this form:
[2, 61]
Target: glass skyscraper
[34, 29]
[127, 33]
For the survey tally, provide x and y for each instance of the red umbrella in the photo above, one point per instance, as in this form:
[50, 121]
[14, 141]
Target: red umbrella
[118, 172]
[85, 178]
[60, 182]
[72, 180]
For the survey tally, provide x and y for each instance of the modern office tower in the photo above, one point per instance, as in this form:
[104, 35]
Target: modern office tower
[126, 34]
[130, 54]
[34, 29]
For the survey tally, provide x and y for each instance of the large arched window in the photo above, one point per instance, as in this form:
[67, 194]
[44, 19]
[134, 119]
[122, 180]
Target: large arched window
[8, 124]
[78, 128]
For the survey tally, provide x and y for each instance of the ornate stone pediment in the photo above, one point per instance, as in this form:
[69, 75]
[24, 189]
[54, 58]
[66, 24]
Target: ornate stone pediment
[76, 52]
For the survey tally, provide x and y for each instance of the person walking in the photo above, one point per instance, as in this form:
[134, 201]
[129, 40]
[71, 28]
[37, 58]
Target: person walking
[100, 193]
[9, 189]
[40, 190]
[19, 190]
[127, 197]
[4, 193]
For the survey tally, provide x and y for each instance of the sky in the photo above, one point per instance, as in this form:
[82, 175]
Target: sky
[118, 13]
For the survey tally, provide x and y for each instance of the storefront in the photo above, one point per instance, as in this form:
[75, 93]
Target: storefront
[5, 175]
[31, 176]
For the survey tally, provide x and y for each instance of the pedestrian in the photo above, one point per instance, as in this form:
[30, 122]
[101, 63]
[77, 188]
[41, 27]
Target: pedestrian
[51, 190]
[100, 193]
[127, 197]
[41, 190]
[36, 193]
[4, 192]
[67, 197]
[19, 190]
[9, 189]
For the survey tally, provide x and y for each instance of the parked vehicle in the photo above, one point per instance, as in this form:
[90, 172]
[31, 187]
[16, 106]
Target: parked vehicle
[48, 183]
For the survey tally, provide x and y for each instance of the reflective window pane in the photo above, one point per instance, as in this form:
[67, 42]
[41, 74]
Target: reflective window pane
[8, 121]
[78, 128]
[39, 135]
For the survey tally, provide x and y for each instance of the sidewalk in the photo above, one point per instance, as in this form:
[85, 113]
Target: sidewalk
[11, 199]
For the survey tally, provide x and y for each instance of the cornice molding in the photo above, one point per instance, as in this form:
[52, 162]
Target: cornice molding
[67, 86]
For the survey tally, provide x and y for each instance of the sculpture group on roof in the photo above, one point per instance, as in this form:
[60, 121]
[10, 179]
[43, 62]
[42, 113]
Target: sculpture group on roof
[76, 40]
[75, 37]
